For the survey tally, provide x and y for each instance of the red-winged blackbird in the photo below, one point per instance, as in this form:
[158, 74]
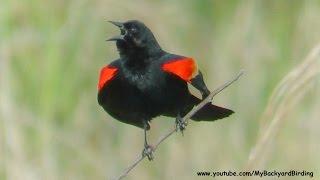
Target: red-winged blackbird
[147, 81]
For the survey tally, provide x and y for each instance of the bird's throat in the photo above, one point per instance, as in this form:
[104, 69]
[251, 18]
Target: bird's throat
[138, 55]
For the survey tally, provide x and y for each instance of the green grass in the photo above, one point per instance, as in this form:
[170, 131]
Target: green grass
[51, 126]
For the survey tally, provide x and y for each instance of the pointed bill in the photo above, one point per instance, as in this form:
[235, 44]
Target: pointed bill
[118, 24]
[116, 38]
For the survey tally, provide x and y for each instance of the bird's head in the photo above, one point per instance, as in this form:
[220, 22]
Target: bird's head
[135, 37]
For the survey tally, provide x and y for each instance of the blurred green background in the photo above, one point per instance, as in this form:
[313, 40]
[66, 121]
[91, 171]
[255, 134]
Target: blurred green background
[51, 52]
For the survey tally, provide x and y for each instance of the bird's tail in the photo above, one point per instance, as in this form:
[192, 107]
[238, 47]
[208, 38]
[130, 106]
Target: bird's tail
[209, 112]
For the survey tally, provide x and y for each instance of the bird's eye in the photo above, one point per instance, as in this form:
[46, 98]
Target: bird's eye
[133, 30]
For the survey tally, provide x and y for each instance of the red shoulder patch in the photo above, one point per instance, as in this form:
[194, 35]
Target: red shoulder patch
[185, 68]
[106, 74]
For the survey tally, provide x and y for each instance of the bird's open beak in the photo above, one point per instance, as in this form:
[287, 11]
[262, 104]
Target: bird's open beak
[118, 37]
[118, 24]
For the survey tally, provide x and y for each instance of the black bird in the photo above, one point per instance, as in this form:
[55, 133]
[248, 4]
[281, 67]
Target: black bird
[146, 82]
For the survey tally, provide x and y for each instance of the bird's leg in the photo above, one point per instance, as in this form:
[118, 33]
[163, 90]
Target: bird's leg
[148, 149]
[180, 123]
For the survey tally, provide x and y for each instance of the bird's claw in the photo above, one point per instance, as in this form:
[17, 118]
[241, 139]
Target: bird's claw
[148, 151]
[180, 124]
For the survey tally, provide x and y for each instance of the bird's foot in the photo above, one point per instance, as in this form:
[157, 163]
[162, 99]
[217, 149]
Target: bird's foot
[148, 151]
[180, 124]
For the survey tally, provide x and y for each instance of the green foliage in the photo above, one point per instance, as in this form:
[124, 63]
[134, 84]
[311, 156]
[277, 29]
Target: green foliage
[51, 126]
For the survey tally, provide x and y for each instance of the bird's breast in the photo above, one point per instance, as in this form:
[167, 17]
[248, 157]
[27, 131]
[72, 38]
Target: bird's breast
[146, 80]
